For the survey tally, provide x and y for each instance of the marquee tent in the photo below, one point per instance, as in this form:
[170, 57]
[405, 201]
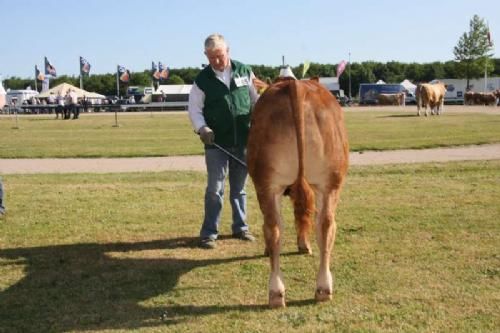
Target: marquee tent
[409, 86]
[176, 89]
[63, 88]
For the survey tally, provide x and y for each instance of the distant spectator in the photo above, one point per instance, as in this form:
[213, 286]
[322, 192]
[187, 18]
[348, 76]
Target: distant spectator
[51, 99]
[12, 106]
[67, 104]
[75, 110]
[85, 103]
[60, 106]
[2, 203]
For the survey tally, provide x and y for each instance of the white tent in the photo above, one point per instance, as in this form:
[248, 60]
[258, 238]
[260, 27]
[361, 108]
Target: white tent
[380, 82]
[167, 89]
[409, 86]
[63, 88]
[287, 72]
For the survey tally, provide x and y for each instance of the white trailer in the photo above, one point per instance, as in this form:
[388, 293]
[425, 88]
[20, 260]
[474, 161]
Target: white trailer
[456, 88]
[19, 96]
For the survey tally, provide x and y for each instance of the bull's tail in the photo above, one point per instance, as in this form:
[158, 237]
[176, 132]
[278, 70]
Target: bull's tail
[301, 192]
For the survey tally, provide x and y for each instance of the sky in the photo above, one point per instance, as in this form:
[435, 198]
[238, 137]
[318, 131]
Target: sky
[259, 32]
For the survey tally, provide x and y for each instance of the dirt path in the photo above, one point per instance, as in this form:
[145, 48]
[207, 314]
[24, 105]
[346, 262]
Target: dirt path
[196, 163]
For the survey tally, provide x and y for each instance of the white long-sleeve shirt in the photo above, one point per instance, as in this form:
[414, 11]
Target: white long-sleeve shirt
[197, 97]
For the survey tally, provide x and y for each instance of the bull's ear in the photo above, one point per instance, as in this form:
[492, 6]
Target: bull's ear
[315, 78]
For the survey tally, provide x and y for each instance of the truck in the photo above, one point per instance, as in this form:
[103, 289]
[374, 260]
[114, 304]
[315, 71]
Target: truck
[332, 85]
[456, 88]
[368, 92]
[16, 98]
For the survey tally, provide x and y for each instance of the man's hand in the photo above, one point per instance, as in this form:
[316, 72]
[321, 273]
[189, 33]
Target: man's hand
[206, 135]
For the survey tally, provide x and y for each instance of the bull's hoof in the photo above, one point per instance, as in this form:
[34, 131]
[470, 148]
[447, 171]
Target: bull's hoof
[276, 299]
[305, 250]
[323, 295]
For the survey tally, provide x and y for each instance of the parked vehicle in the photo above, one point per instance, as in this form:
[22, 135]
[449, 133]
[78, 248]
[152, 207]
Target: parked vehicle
[19, 96]
[368, 92]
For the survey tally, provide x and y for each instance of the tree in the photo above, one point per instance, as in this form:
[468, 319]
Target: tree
[414, 72]
[175, 79]
[15, 83]
[473, 50]
[142, 79]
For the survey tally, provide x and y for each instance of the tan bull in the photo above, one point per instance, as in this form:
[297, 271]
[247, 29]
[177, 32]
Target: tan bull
[298, 145]
[430, 96]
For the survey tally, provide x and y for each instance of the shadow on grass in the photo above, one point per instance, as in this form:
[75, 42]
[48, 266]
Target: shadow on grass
[170, 313]
[51, 117]
[400, 116]
[95, 286]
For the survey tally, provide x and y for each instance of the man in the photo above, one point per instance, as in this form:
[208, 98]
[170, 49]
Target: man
[67, 105]
[220, 103]
[51, 99]
[60, 106]
[73, 97]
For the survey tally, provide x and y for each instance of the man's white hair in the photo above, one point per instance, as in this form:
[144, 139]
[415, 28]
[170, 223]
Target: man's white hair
[215, 41]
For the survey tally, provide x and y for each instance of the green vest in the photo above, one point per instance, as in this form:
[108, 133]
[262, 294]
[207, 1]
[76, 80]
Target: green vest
[227, 111]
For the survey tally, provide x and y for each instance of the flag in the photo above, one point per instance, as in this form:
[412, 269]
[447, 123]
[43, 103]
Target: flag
[488, 34]
[124, 74]
[154, 71]
[163, 71]
[305, 68]
[49, 69]
[84, 66]
[45, 84]
[341, 67]
[39, 75]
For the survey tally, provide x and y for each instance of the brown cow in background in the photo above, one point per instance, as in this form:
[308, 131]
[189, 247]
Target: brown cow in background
[391, 99]
[481, 98]
[497, 94]
[298, 146]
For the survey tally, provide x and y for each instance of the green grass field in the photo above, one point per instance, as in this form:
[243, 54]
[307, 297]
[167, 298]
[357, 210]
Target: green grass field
[416, 251]
[167, 134]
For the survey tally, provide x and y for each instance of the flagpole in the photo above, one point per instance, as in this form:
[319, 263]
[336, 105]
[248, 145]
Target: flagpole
[36, 79]
[350, 96]
[118, 81]
[486, 75]
[81, 76]
[490, 44]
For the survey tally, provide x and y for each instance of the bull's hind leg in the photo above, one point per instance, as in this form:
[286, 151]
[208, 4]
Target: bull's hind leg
[325, 233]
[270, 207]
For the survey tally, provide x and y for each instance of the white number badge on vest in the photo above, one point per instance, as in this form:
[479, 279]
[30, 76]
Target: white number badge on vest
[241, 81]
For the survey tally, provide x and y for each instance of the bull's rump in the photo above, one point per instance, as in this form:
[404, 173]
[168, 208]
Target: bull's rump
[432, 94]
[272, 145]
